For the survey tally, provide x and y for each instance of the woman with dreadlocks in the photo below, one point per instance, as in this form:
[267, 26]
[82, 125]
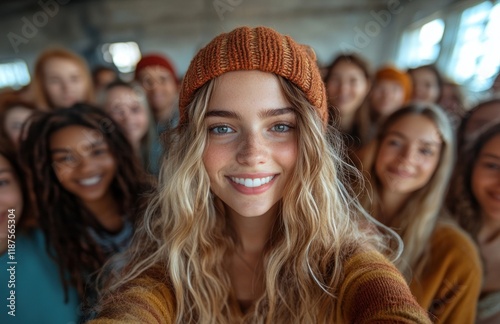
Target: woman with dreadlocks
[88, 186]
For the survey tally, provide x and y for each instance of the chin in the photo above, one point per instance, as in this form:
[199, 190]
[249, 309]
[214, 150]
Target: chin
[252, 212]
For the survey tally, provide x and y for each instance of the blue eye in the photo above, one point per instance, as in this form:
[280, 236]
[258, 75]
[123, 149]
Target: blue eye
[222, 129]
[281, 128]
[4, 183]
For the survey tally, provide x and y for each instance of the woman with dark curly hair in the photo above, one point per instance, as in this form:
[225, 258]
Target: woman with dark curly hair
[30, 282]
[88, 186]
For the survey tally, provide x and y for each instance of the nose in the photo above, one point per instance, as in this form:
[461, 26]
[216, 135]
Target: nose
[343, 88]
[252, 149]
[124, 117]
[65, 86]
[84, 162]
[409, 154]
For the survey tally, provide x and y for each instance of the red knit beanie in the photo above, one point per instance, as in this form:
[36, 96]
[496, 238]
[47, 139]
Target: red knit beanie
[393, 74]
[155, 60]
[259, 48]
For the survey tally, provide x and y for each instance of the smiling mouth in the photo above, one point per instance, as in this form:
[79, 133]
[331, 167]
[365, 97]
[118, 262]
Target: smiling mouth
[252, 183]
[90, 181]
[401, 173]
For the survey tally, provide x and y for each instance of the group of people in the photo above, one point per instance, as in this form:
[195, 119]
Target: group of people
[257, 190]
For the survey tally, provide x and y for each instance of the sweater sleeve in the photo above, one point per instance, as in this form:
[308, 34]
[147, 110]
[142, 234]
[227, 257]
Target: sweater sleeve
[374, 291]
[144, 300]
[451, 281]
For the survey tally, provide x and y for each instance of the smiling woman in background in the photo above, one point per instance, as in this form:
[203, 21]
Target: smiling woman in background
[408, 167]
[88, 186]
[474, 199]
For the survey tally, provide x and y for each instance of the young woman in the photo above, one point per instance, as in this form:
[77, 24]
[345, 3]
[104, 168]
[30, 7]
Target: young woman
[347, 83]
[408, 167]
[88, 186]
[31, 287]
[474, 199]
[127, 105]
[391, 90]
[61, 79]
[13, 115]
[427, 84]
[480, 115]
[252, 222]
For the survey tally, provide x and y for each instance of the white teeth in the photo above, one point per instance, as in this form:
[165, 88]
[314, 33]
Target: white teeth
[252, 183]
[90, 181]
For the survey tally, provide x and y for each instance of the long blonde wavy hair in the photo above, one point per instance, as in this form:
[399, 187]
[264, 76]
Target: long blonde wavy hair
[320, 224]
[417, 219]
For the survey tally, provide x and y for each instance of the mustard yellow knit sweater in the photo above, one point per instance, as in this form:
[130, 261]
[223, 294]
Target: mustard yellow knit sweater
[373, 291]
[450, 283]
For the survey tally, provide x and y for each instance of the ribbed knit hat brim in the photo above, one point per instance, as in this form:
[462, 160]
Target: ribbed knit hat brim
[259, 48]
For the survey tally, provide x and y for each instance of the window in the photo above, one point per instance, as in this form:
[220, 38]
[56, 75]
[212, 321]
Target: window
[476, 60]
[14, 74]
[466, 49]
[123, 55]
[421, 45]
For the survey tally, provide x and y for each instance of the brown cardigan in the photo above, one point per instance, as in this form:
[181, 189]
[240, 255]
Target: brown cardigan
[450, 283]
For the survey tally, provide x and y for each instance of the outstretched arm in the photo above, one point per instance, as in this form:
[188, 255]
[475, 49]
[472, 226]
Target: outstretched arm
[375, 292]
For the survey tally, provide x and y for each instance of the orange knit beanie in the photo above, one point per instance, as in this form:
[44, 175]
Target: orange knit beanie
[393, 74]
[259, 48]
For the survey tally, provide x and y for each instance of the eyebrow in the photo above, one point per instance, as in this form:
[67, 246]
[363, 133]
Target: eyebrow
[66, 150]
[222, 113]
[6, 170]
[59, 150]
[276, 112]
[490, 155]
[398, 134]
[262, 114]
